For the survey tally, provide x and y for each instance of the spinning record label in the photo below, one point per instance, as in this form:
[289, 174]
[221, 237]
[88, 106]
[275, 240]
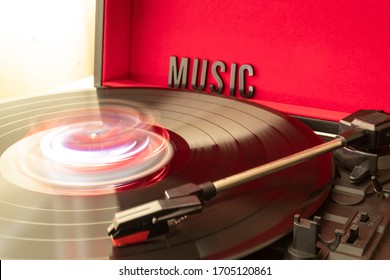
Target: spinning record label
[70, 161]
[90, 151]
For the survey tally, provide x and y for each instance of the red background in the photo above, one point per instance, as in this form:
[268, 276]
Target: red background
[312, 58]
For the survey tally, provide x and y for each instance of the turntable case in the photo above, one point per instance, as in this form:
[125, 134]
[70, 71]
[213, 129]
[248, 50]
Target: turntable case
[314, 59]
[320, 59]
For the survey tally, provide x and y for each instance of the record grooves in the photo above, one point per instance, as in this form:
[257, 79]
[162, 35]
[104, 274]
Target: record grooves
[212, 137]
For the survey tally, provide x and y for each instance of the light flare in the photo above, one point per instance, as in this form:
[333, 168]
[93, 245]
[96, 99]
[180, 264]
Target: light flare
[108, 148]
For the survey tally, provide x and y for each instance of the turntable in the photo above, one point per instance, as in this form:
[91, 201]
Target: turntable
[188, 151]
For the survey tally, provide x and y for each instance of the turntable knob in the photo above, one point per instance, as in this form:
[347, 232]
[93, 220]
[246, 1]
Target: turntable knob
[364, 217]
[304, 244]
[353, 234]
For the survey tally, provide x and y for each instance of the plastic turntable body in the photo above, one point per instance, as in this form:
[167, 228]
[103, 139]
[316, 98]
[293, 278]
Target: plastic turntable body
[193, 92]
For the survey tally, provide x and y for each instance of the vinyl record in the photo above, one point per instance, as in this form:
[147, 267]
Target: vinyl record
[58, 203]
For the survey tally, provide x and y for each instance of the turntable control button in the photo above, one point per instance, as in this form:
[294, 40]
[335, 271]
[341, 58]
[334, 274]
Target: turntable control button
[353, 234]
[358, 174]
[364, 217]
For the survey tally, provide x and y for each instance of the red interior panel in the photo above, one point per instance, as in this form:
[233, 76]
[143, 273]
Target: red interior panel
[307, 55]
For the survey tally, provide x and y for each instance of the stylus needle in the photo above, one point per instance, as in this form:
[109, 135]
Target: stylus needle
[155, 218]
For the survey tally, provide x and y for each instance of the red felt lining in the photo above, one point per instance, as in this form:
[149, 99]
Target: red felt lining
[116, 40]
[314, 58]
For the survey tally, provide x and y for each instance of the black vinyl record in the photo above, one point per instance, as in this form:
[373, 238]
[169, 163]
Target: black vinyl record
[211, 137]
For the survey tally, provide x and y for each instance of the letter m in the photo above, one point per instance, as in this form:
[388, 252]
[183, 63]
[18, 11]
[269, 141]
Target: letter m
[178, 79]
